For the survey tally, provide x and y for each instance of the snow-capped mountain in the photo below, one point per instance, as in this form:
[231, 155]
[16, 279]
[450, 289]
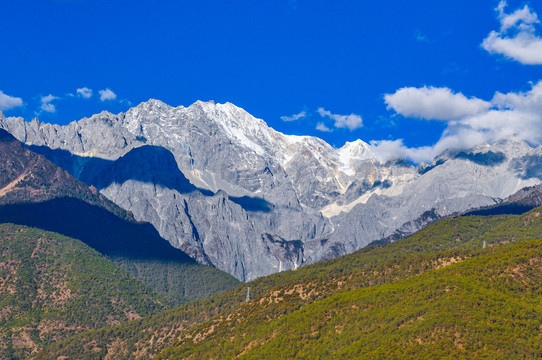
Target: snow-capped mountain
[232, 192]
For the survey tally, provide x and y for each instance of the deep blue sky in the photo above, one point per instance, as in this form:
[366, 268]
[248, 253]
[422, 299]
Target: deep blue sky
[272, 58]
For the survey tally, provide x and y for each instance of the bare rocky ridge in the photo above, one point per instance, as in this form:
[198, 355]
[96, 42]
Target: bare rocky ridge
[26, 177]
[232, 192]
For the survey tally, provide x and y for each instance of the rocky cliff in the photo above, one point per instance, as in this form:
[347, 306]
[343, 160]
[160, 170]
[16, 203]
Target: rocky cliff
[232, 192]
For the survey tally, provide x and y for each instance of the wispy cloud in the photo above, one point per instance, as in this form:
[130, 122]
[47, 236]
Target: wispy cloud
[8, 102]
[107, 94]
[322, 127]
[294, 117]
[517, 38]
[352, 121]
[514, 114]
[84, 92]
[420, 37]
[46, 103]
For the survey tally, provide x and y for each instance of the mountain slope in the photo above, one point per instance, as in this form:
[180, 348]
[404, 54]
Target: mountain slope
[52, 287]
[225, 187]
[518, 203]
[467, 310]
[35, 192]
[272, 297]
[26, 177]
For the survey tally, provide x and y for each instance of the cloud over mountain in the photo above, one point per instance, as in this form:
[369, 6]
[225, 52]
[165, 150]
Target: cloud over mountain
[433, 103]
[294, 117]
[107, 94]
[7, 102]
[46, 103]
[84, 92]
[469, 121]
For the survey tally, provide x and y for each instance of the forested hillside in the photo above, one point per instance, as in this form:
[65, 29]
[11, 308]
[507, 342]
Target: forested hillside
[52, 287]
[232, 326]
[485, 306]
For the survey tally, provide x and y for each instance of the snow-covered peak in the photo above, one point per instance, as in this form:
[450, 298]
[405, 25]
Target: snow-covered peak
[352, 152]
[241, 127]
[358, 149]
[154, 105]
[511, 146]
[234, 117]
[151, 106]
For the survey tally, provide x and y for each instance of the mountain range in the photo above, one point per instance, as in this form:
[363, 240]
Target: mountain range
[233, 193]
[113, 268]
[35, 192]
[466, 285]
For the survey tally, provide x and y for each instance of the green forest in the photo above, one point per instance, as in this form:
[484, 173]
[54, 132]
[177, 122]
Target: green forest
[464, 287]
[54, 287]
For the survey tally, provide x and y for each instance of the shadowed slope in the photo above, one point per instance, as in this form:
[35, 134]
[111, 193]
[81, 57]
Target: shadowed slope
[35, 192]
[52, 287]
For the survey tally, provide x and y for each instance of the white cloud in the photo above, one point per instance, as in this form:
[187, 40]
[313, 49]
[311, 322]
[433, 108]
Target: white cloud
[85, 92]
[517, 37]
[433, 103]
[514, 114]
[294, 117]
[7, 102]
[46, 103]
[107, 94]
[530, 101]
[395, 149]
[522, 18]
[351, 121]
[322, 127]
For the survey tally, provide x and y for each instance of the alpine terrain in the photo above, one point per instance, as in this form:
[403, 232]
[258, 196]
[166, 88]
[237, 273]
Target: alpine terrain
[36, 192]
[231, 192]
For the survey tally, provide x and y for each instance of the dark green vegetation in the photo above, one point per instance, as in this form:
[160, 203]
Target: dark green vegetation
[178, 282]
[488, 306]
[136, 247]
[434, 294]
[35, 192]
[52, 287]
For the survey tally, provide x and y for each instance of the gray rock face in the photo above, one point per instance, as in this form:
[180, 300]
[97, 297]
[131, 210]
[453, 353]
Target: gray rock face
[233, 193]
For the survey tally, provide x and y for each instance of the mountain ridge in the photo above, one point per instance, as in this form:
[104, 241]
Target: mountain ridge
[35, 192]
[333, 201]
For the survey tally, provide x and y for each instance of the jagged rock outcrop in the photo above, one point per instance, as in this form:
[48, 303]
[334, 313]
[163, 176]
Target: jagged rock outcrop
[234, 193]
[37, 193]
[26, 177]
